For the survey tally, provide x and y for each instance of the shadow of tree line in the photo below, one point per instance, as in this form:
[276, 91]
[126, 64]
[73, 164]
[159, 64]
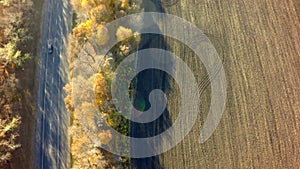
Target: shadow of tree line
[146, 81]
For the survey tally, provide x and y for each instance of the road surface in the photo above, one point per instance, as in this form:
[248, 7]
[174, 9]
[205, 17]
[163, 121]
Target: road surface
[52, 120]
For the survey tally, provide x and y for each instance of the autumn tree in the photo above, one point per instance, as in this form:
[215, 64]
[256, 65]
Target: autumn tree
[88, 95]
[9, 120]
[68, 99]
[102, 35]
[99, 14]
[83, 31]
[7, 3]
[17, 29]
[16, 34]
[8, 134]
[13, 52]
[100, 89]
[10, 53]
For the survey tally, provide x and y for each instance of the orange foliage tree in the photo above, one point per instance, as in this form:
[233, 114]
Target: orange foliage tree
[83, 31]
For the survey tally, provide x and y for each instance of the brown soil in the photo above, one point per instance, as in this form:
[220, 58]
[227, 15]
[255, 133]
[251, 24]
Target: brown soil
[260, 126]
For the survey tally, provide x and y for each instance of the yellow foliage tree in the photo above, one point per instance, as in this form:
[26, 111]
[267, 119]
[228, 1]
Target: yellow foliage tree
[93, 3]
[99, 14]
[84, 3]
[102, 35]
[68, 99]
[83, 30]
[124, 4]
[123, 33]
[100, 89]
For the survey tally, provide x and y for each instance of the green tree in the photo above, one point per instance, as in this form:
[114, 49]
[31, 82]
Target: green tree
[17, 30]
[9, 53]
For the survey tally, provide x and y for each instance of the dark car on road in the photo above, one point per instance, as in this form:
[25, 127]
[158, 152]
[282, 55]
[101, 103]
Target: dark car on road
[50, 47]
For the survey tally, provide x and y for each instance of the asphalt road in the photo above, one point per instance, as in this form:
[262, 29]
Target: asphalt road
[52, 120]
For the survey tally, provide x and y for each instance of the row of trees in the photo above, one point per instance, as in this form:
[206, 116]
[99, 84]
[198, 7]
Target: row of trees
[88, 93]
[14, 35]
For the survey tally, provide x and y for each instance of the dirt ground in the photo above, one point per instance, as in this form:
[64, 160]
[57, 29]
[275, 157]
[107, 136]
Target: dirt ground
[260, 43]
